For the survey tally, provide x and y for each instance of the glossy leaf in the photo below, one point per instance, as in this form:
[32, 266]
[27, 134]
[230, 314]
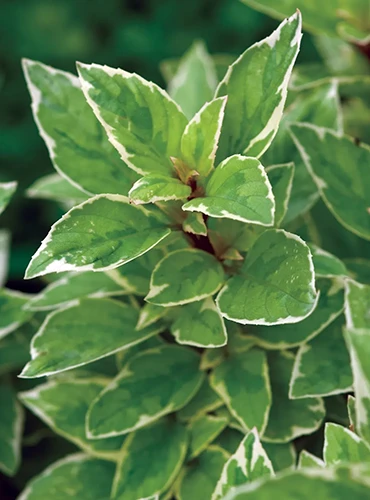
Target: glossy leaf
[100, 234]
[278, 279]
[11, 427]
[306, 459]
[131, 400]
[157, 187]
[57, 188]
[205, 400]
[357, 305]
[238, 189]
[7, 189]
[185, 276]
[342, 445]
[88, 330]
[12, 310]
[326, 264]
[142, 122]
[281, 179]
[242, 382]
[254, 108]
[203, 430]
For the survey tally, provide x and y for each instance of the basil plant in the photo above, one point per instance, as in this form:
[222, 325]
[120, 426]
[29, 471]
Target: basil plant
[202, 333]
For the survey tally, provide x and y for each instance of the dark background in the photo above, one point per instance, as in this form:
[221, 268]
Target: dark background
[135, 35]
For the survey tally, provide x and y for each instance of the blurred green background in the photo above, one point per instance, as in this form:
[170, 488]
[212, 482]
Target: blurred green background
[132, 34]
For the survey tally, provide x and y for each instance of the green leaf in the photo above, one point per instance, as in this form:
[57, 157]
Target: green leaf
[229, 439]
[199, 142]
[201, 475]
[77, 145]
[358, 341]
[100, 234]
[306, 459]
[150, 460]
[203, 430]
[277, 277]
[282, 455]
[238, 189]
[281, 179]
[134, 276]
[340, 483]
[185, 276]
[158, 187]
[329, 307]
[326, 264]
[131, 400]
[200, 324]
[7, 189]
[322, 366]
[63, 404]
[342, 445]
[75, 476]
[248, 463]
[88, 330]
[4, 254]
[194, 224]
[256, 86]
[289, 418]
[359, 269]
[339, 169]
[195, 80]
[141, 120]
[242, 382]
[15, 348]
[74, 286]
[205, 400]
[351, 408]
[11, 427]
[357, 305]
[149, 314]
[12, 311]
[57, 188]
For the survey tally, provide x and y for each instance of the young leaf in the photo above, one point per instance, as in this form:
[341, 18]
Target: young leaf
[141, 120]
[326, 264]
[357, 305]
[242, 382]
[200, 476]
[131, 400]
[322, 366]
[77, 145]
[194, 81]
[194, 224]
[256, 85]
[200, 139]
[339, 168]
[342, 445]
[75, 476]
[277, 277]
[248, 463]
[288, 418]
[7, 189]
[358, 341]
[238, 189]
[63, 404]
[158, 187]
[12, 310]
[200, 324]
[150, 460]
[88, 330]
[203, 430]
[185, 276]
[205, 400]
[100, 234]
[329, 307]
[281, 179]
[74, 286]
[306, 459]
[11, 427]
[57, 188]
[340, 483]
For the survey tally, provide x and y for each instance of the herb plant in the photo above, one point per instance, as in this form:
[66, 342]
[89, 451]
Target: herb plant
[203, 332]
